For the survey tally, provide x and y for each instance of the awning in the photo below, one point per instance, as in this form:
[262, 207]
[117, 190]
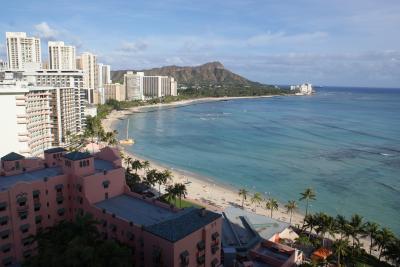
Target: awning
[6, 247]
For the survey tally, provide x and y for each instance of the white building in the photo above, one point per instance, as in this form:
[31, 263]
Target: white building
[23, 52]
[133, 83]
[114, 91]
[303, 89]
[141, 87]
[28, 121]
[106, 74]
[61, 56]
[3, 65]
[88, 63]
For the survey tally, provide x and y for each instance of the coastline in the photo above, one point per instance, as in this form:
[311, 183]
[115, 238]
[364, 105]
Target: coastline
[119, 114]
[203, 190]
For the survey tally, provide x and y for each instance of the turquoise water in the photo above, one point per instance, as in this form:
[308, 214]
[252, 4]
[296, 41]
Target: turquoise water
[345, 143]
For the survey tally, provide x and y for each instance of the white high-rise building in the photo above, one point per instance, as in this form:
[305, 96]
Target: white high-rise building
[61, 56]
[23, 52]
[159, 86]
[88, 63]
[133, 83]
[28, 121]
[106, 74]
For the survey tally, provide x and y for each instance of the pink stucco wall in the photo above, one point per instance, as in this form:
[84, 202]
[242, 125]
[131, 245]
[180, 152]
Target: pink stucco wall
[81, 187]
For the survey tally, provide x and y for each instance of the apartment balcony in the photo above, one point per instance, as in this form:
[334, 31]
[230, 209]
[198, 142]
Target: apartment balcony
[20, 104]
[22, 121]
[23, 134]
[20, 98]
[24, 139]
[21, 116]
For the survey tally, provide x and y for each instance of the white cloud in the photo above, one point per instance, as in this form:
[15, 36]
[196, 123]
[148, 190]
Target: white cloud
[281, 37]
[136, 46]
[43, 30]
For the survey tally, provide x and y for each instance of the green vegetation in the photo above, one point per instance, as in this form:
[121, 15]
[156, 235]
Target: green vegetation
[226, 89]
[78, 243]
[153, 177]
[339, 234]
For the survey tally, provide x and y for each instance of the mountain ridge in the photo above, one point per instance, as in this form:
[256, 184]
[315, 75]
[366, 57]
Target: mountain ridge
[210, 72]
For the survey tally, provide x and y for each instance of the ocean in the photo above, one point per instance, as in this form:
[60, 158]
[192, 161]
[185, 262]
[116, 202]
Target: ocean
[342, 142]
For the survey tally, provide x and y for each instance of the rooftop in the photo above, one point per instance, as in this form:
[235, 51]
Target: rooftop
[244, 229]
[76, 155]
[55, 150]
[103, 165]
[185, 223]
[135, 210]
[9, 181]
[12, 156]
[159, 221]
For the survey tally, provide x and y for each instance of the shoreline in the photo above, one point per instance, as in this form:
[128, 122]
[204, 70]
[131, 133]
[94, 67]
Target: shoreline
[120, 114]
[203, 190]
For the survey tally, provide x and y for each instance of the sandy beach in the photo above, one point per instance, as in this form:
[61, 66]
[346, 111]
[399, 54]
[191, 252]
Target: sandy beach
[204, 190]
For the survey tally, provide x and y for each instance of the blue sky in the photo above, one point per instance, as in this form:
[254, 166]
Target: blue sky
[337, 42]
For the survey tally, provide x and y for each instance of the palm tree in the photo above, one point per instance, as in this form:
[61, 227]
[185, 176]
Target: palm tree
[162, 178]
[128, 160]
[150, 178]
[371, 229]
[256, 199]
[309, 223]
[308, 195]
[146, 165]
[324, 224]
[356, 228]
[340, 248]
[271, 204]
[136, 165]
[181, 191]
[111, 138]
[342, 225]
[171, 193]
[383, 239]
[243, 193]
[291, 206]
[392, 251]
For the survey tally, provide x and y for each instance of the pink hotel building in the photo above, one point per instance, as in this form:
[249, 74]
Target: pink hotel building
[38, 193]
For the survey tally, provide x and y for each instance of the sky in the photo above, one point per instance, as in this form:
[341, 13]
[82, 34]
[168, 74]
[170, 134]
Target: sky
[335, 42]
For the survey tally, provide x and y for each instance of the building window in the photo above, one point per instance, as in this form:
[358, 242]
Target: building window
[21, 201]
[3, 206]
[23, 215]
[60, 199]
[5, 234]
[8, 261]
[3, 220]
[17, 165]
[106, 183]
[24, 228]
[27, 253]
[38, 219]
[59, 188]
[36, 194]
[6, 248]
[214, 263]
[61, 211]
[201, 245]
[106, 195]
[37, 206]
[27, 241]
[184, 256]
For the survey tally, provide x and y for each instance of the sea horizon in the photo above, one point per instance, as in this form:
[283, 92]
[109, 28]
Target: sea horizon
[342, 142]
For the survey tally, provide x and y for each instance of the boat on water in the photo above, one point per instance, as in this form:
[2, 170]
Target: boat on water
[127, 140]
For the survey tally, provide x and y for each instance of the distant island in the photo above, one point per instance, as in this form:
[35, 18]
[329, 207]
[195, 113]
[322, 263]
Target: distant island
[208, 80]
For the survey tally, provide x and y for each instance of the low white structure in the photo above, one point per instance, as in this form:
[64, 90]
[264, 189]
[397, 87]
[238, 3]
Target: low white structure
[141, 87]
[303, 89]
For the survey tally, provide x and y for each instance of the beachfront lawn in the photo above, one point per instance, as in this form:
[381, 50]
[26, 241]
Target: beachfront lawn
[184, 203]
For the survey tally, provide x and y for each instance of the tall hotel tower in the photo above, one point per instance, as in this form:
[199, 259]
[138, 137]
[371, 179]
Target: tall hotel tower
[23, 51]
[62, 57]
